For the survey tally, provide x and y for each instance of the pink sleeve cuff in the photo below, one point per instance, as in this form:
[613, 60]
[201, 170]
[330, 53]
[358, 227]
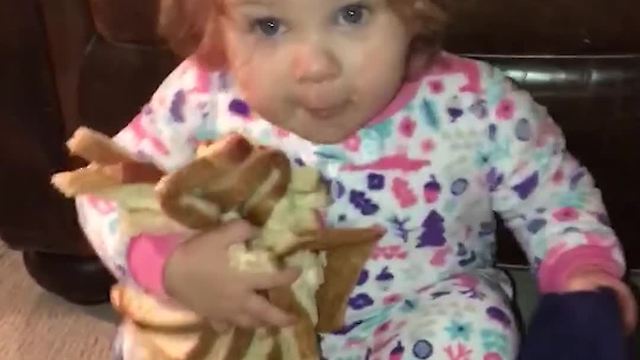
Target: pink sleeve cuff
[146, 257]
[554, 273]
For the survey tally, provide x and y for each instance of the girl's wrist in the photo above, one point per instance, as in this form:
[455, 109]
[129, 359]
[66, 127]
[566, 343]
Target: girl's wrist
[172, 271]
[147, 258]
[554, 274]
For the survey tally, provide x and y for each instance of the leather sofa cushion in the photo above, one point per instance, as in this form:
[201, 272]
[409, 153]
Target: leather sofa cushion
[126, 21]
[544, 27]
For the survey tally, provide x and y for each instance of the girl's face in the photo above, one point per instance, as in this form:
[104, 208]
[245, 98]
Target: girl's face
[319, 68]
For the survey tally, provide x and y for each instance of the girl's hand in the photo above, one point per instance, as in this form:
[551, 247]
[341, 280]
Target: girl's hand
[198, 275]
[591, 280]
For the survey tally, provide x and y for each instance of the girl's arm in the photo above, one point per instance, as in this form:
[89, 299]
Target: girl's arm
[163, 133]
[546, 197]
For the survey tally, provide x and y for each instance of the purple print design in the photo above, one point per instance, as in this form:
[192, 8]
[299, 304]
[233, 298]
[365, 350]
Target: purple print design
[177, 106]
[432, 231]
[526, 187]
[497, 314]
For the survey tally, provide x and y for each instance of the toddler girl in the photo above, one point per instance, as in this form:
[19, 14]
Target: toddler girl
[421, 142]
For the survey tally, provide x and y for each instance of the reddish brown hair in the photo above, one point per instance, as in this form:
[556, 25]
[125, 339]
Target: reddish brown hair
[190, 27]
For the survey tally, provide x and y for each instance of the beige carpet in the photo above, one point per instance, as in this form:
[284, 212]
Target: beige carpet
[35, 325]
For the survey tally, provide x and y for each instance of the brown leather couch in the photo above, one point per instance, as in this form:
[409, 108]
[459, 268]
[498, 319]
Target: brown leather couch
[94, 63]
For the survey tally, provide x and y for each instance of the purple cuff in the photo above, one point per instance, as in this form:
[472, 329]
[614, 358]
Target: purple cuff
[146, 257]
[554, 273]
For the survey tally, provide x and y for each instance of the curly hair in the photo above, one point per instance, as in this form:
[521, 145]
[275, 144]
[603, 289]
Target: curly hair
[190, 27]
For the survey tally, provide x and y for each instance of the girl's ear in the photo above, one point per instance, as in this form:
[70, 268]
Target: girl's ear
[211, 50]
[421, 55]
[416, 65]
[181, 25]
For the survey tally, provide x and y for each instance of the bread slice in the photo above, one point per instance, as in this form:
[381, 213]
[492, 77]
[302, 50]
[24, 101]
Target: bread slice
[96, 147]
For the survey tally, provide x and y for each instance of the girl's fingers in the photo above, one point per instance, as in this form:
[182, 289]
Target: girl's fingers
[265, 281]
[268, 314]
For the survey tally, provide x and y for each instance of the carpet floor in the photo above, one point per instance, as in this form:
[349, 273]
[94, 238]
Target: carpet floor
[35, 325]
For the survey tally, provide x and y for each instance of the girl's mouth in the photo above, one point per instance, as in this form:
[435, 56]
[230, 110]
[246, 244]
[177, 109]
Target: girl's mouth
[326, 112]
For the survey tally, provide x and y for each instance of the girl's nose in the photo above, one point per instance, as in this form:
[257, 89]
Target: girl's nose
[314, 63]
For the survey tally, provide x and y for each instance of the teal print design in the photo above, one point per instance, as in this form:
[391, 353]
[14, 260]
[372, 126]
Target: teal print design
[372, 146]
[204, 133]
[113, 225]
[371, 323]
[538, 243]
[264, 136]
[501, 150]
[329, 152]
[574, 199]
[459, 330]
[430, 114]
[408, 306]
[352, 357]
[541, 157]
[450, 206]
[495, 88]
[495, 93]
[381, 130]
[497, 153]
[481, 158]
[410, 107]
[493, 340]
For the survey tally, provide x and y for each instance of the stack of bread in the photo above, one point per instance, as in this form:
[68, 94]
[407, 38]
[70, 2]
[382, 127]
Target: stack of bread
[229, 178]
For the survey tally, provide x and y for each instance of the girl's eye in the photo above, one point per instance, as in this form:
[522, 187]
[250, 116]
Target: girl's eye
[354, 14]
[267, 26]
